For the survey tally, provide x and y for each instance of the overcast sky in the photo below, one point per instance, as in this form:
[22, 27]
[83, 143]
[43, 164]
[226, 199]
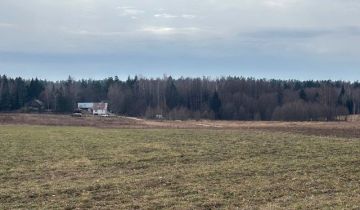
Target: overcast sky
[288, 39]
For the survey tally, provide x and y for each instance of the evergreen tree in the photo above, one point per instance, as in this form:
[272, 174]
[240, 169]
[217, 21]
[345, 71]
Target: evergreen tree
[34, 89]
[19, 94]
[342, 97]
[5, 97]
[215, 104]
[171, 94]
[302, 95]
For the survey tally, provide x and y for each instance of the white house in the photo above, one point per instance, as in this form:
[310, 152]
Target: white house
[94, 108]
[100, 109]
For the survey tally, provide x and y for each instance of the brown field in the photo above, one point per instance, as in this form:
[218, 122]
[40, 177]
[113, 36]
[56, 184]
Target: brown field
[62, 162]
[336, 129]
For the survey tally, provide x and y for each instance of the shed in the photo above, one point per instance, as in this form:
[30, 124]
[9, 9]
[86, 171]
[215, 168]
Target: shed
[94, 108]
[35, 105]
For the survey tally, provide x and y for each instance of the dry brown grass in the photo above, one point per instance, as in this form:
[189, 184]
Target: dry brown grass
[336, 129]
[50, 167]
[65, 120]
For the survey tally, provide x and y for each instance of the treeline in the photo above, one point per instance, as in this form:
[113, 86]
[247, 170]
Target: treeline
[228, 98]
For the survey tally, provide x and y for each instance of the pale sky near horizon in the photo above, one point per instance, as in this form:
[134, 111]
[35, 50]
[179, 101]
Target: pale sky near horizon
[286, 39]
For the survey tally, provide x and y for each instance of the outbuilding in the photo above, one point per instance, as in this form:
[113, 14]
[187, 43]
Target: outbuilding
[94, 108]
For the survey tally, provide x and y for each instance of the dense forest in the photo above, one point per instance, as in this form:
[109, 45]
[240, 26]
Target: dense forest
[228, 98]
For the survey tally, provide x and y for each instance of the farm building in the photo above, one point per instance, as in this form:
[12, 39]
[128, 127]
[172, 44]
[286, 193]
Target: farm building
[94, 108]
[35, 106]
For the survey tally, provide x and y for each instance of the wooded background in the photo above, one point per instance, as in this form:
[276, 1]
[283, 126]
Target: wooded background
[228, 98]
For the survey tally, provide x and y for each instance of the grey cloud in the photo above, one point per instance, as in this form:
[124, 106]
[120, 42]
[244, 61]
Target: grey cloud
[352, 30]
[6, 25]
[206, 28]
[130, 12]
[287, 33]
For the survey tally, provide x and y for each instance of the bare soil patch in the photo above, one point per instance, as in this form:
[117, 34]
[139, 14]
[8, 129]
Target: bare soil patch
[65, 120]
[334, 129]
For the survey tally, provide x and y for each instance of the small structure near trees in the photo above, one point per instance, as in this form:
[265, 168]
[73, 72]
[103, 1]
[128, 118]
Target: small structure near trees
[159, 117]
[35, 105]
[94, 108]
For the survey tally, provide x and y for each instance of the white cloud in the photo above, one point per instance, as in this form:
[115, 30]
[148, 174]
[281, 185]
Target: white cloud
[187, 16]
[170, 30]
[130, 11]
[169, 16]
[279, 3]
[165, 15]
[98, 33]
[159, 30]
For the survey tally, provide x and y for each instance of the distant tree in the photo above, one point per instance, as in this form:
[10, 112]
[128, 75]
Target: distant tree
[280, 97]
[215, 104]
[171, 94]
[63, 103]
[34, 89]
[342, 97]
[116, 98]
[302, 95]
[5, 97]
[235, 98]
[19, 93]
[350, 105]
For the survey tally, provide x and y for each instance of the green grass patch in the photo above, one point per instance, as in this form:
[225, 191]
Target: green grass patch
[75, 168]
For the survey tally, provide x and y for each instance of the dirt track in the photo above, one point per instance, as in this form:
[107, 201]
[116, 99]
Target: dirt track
[339, 129]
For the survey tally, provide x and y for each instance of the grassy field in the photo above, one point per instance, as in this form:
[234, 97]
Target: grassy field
[75, 168]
